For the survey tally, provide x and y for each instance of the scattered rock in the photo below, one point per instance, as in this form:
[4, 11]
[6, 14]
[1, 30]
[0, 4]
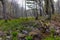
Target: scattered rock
[1, 33]
[21, 36]
[0, 38]
[24, 32]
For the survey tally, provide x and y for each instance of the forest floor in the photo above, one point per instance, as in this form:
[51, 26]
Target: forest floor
[56, 20]
[30, 29]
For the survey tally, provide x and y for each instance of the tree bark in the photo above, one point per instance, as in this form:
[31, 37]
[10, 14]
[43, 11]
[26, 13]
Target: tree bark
[4, 10]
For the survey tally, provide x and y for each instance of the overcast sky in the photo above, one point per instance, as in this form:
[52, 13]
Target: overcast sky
[55, 0]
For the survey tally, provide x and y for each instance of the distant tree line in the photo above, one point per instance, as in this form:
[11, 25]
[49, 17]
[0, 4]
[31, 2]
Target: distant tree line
[37, 8]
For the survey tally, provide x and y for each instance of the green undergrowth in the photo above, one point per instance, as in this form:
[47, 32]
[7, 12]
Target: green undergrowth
[20, 24]
[14, 23]
[52, 36]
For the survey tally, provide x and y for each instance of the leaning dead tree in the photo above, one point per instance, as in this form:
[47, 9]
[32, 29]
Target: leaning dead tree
[4, 9]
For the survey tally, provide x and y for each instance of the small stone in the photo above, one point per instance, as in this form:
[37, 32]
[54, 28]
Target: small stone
[21, 35]
[8, 37]
[25, 32]
[0, 38]
[1, 33]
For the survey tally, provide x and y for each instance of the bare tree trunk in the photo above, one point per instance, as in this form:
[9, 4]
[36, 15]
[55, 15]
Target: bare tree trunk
[22, 8]
[48, 9]
[52, 6]
[40, 1]
[36, 13]
[4, 10]
[25, 10]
